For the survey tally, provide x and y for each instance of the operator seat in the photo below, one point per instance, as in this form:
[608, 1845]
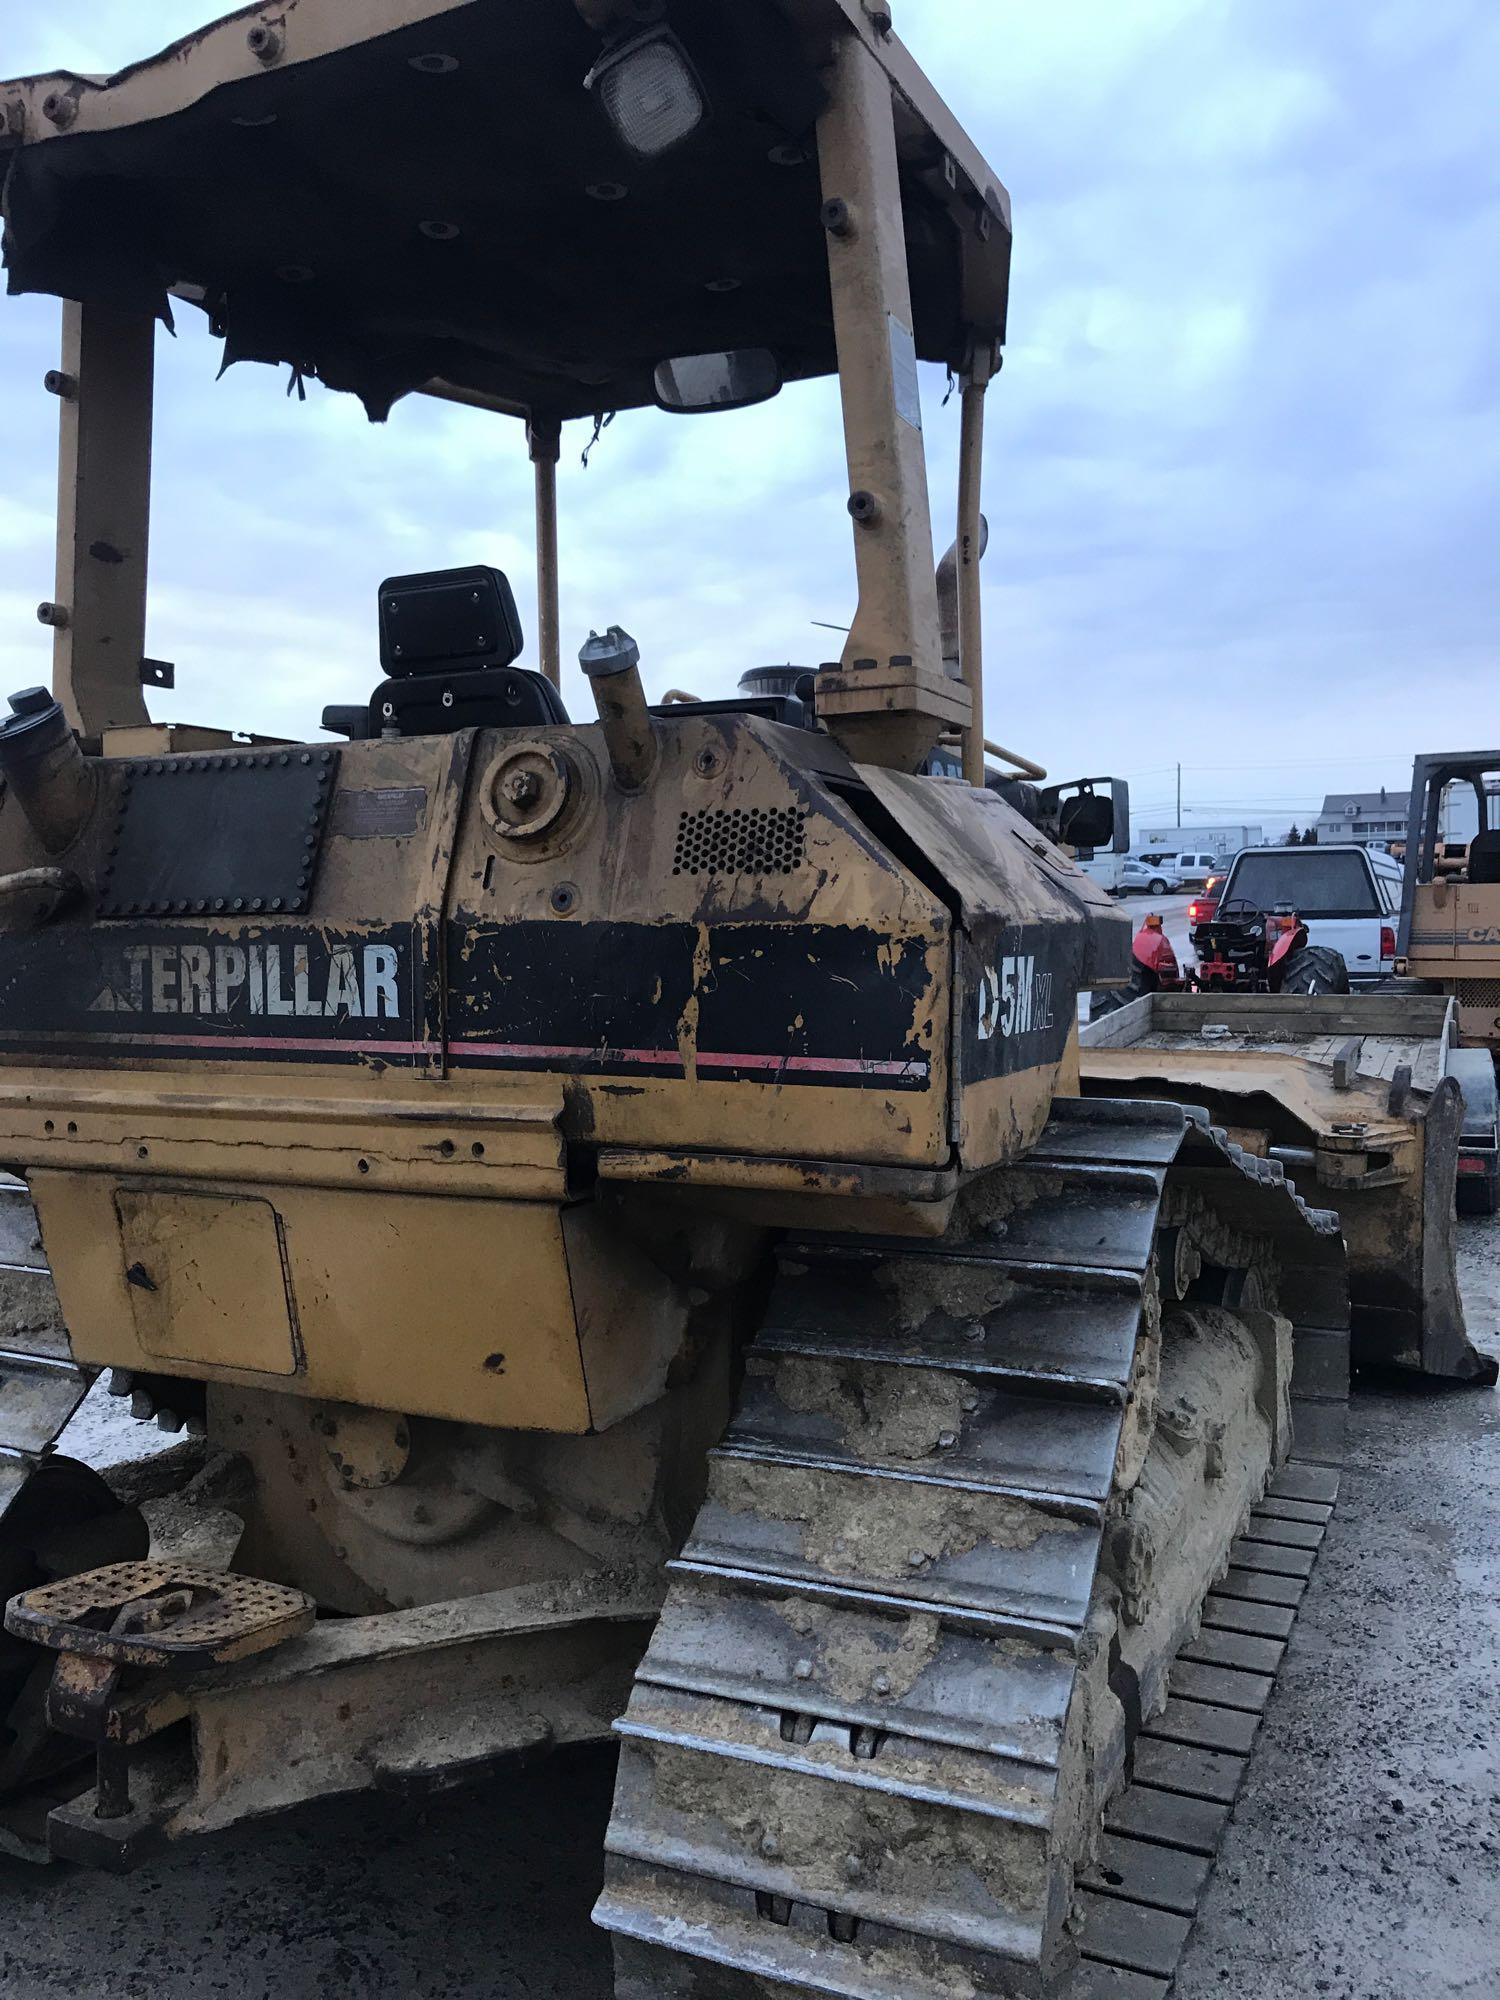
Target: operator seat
[449, 640]
[1484, 857]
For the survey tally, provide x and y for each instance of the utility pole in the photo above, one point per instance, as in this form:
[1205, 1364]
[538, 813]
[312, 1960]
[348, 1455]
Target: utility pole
[1179, 795]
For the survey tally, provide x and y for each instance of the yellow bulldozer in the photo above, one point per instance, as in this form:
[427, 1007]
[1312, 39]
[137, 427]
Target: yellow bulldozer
[1450, 914]
[615, 1197]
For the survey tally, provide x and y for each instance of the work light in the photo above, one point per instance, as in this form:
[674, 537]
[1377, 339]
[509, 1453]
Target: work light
[650, 92]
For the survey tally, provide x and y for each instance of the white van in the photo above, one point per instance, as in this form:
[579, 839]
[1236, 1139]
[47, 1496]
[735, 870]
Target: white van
[1348, 897]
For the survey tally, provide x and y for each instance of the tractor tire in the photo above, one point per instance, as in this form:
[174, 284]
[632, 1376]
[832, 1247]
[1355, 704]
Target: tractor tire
[1315, 969]
[1110, 999]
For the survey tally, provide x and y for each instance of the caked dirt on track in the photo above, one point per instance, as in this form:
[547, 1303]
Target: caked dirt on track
[1362, 1862]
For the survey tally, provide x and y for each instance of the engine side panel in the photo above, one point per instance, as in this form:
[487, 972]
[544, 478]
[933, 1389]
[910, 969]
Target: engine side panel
[1033, 933]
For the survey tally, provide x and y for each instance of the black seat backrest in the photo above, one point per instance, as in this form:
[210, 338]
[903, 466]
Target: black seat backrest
[448, 621]
[1484, 857]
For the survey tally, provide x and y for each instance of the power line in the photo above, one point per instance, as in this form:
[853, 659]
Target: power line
[1400, 758]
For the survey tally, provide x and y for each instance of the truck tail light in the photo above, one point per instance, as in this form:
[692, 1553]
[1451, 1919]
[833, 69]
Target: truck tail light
[1387, 942]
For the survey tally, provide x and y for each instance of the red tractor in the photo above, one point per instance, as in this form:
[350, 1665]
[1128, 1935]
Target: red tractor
[1239, 950]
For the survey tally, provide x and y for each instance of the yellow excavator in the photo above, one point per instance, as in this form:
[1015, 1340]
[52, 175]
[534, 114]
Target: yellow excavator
[615, 1197]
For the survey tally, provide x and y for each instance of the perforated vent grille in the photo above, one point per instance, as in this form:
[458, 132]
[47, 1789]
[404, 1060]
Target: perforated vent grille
[1479, 992]
[739, 842]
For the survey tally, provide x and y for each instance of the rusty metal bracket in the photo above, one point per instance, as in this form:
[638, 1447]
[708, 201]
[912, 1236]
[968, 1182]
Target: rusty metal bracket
[405, 1702]
[1346, 1060]
[129, 1636]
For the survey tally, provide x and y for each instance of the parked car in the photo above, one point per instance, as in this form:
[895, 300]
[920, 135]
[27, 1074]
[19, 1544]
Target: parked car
[1119, 875]
[1163, 878]
[1348, 898]
[1206, 902]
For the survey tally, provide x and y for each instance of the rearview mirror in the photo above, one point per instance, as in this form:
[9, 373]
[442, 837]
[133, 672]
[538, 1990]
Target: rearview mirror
[732, 381]
[1093, 821]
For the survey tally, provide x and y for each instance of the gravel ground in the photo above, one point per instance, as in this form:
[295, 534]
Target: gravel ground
[1363, 1862]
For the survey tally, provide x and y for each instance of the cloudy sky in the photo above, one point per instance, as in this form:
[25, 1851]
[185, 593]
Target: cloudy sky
[1245, 453]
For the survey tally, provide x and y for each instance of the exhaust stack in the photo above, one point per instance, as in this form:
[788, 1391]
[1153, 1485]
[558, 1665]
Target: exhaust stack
[613, 665]
[41, 762]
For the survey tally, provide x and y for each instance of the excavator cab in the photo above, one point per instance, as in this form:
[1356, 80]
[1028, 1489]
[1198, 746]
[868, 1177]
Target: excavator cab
[613, 1196]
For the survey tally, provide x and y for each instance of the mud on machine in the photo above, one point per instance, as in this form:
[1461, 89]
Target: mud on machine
[616, 1196]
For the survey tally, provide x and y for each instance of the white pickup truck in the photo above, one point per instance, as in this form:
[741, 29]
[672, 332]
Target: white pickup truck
[1349, 897]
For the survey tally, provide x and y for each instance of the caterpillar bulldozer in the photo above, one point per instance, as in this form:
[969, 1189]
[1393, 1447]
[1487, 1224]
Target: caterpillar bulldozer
[615, 1197]
[1450, 913]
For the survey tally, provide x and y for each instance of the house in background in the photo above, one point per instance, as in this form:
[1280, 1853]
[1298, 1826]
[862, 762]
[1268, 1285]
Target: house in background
[1374, 819]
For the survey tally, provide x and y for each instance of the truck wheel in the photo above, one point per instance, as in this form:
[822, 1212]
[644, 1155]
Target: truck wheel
[1315, 969]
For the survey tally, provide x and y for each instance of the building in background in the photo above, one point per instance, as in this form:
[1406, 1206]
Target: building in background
[1222, 839]
[1372, 819]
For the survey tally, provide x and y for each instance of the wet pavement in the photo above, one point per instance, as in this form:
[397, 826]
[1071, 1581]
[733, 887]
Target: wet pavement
[1363, 1862]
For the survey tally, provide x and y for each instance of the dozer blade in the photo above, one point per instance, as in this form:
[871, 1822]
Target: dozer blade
[942, 1600]
[1350, 1093]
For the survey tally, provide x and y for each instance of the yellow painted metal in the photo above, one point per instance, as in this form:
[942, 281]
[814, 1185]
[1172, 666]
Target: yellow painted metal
[175, 739]
[499, 1138]
[998, 866]
[618, 857]
[970, 547]
[481, 1312]
[891, 697]
[1455, 944]
[1302, 1087]
[205, 1279]
[800, 1177]
[103, 515]
[1036, 772]
[791, 1193]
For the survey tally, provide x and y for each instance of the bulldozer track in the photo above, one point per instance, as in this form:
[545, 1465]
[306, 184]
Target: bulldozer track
[841, 1765]
[1162, 1834]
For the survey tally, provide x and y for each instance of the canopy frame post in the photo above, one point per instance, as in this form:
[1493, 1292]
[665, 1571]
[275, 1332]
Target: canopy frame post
[889, 698]
[544, 439]
[106, 386]
[977, 378]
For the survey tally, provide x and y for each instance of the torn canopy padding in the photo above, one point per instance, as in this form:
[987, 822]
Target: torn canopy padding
[380, 224]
